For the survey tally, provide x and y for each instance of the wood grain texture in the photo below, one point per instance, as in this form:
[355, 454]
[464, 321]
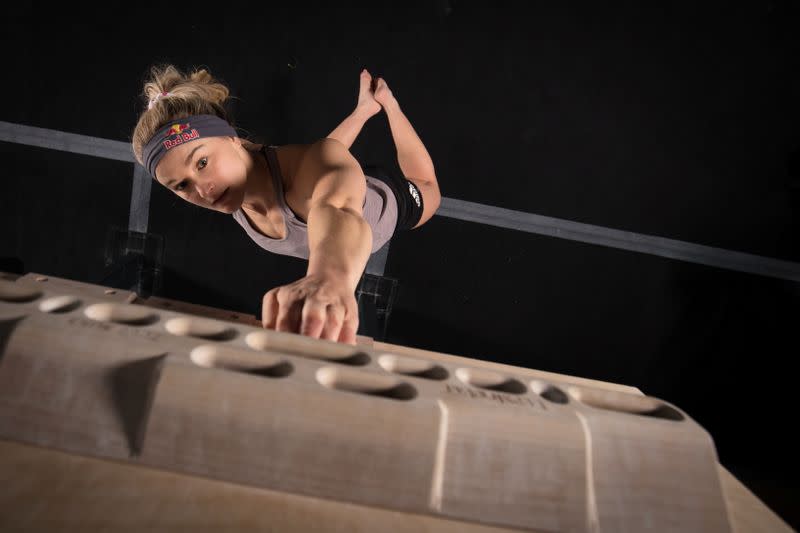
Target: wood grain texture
[451, 440]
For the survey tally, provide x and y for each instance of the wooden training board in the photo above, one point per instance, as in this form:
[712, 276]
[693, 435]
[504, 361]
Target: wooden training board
[124, 399]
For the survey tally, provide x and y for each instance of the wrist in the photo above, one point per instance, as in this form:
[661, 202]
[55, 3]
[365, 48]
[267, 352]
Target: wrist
[336, 276]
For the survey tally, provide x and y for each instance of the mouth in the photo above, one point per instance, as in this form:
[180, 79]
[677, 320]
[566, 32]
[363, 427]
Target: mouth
[220, 198]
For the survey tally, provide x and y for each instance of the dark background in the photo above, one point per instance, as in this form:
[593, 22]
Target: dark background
[678, 121]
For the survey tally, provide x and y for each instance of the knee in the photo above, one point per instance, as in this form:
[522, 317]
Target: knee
[431, 195]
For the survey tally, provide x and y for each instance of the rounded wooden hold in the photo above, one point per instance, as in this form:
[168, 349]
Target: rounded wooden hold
[306, 347]
[365, 383]
[17, 293]
[549, 392]
[214, 356]
[486, 379]
[412, 367]
[198, 327]
[625, 403]
[60, 304]
[120, 313]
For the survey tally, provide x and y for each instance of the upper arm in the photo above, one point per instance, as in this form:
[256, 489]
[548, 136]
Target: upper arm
[328, 174]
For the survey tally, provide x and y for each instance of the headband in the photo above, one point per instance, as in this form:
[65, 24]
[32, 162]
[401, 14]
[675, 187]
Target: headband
[184, 130]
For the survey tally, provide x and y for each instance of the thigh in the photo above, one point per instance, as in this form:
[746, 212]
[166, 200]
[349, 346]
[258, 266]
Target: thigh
[432, 200]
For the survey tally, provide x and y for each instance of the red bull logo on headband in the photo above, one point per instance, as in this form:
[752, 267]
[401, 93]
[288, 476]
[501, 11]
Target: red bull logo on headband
[182, 135]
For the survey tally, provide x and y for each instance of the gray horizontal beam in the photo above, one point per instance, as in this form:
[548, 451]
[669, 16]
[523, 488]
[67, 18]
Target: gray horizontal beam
[66, 142]
[624, 240]
[458, 209]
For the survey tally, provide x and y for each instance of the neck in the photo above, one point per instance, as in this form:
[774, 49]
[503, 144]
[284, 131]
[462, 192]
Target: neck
[259, 193]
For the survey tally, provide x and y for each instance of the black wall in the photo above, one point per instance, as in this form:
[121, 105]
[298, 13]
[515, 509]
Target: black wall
[677, 121]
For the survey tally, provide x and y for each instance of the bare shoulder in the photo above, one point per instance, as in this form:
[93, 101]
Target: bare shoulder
[303, 164]
[325, 148]
[289, 157]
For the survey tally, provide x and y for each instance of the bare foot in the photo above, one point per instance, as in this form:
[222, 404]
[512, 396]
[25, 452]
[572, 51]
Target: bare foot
[366, 99]
[383, 95]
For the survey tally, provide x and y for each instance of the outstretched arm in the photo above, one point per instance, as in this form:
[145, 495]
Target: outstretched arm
[322, 304]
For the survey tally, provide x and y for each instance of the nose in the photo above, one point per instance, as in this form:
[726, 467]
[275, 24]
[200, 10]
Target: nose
[207, 191]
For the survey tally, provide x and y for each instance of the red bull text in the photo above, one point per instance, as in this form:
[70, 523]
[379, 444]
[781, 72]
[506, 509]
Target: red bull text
[182, 135]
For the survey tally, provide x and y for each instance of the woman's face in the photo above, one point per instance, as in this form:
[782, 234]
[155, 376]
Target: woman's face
[210, 172]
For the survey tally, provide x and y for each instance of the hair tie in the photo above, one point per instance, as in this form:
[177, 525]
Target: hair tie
[156, 99]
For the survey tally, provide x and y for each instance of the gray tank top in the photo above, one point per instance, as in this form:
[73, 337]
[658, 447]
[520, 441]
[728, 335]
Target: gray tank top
[380, 212]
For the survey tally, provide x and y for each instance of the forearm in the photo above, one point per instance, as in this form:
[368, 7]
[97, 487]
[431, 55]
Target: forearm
[348, 130]
[339, 242]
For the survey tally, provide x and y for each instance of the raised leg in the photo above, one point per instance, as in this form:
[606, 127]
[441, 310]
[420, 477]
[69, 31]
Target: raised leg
[366, 107]
[413, 158]
[348, 130]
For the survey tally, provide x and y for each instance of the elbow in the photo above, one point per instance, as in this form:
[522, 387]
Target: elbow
[351, 194]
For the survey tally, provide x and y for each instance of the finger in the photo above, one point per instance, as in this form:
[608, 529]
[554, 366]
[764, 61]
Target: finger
[333, 323]
[269, 309]
[349, 329]
[313, 318]
[348, 332]
[289, 309]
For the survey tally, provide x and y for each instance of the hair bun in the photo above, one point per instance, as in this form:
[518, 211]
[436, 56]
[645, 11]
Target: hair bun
[195, 93]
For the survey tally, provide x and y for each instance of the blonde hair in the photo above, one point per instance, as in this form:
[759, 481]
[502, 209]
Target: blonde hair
[197, 93]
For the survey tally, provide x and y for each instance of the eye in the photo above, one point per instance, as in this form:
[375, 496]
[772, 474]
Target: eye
[182, 185]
